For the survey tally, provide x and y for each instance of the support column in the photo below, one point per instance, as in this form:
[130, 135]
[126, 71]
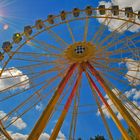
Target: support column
[65, 110]
[113, 116]
[44, 119]
[118, 104]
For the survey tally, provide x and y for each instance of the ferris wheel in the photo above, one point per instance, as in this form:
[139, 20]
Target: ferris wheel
[53, 61]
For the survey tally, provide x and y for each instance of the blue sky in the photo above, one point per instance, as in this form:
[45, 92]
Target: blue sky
[16, 15]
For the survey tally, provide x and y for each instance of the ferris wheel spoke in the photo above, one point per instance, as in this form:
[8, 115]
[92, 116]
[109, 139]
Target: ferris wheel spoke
[19, 116]
[73, 124]
[116, 69]
[28, 60]
[135, 54]
[23, 113]
[76, 116]
[20, 75]
[56, 56]
[120, 81]
[118, 51]
[102, 30]
[6, 97]
[119, 73]
[74, 119]
[70, 31]
[41, 97]
[37, 63]
[115, 60]
[47, 46]
[86, 29]
[40, 47]
[126, 75]
[110, 60]
[99, 31]
[133, 36]
[120, 41]
[113, 33]
[37, 55]
[57, 38]
[101, 65]
[55, 62]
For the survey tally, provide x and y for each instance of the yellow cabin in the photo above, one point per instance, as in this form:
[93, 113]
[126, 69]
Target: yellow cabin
[28, 30]
[17, 38]
[7, 46]
[39, 24]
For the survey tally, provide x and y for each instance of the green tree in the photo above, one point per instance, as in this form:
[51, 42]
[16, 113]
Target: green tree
[98, 137]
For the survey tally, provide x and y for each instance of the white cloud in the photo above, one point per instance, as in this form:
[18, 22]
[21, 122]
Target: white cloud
[2, 114]
[114, 24]
[133, 93]
[10, 81]
[18, 136]
[133, 71]
[44, 136]
[19, 123]
[61, 136]
[39, 107]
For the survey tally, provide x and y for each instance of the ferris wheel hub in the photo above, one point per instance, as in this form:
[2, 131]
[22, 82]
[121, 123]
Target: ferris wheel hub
[80, 52]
